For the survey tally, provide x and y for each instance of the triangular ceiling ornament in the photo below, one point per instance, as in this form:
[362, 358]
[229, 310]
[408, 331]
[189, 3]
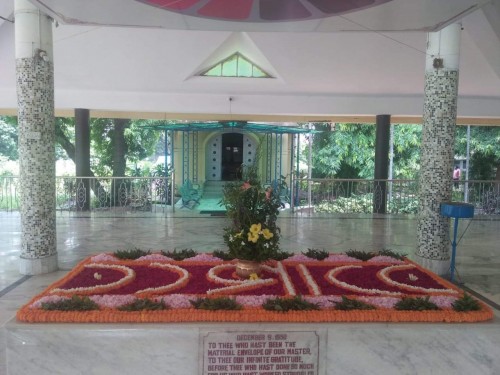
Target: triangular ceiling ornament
[237, 49]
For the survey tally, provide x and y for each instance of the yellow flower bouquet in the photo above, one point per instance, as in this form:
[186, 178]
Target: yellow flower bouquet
[253, 210]
[257, 242]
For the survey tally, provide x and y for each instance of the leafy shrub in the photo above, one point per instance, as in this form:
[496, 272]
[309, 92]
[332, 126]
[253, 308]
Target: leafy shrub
[362, 204]
[361, 255]
[415, 304]
[219, 303]
[408, 205]
[466, 303]
[316, 254]
[224, 255]
[180, 255]
[143, 304]
[280, 255]
[352, 304]
[75, 303]
[287, 304]
[131, 254]
[392, 254]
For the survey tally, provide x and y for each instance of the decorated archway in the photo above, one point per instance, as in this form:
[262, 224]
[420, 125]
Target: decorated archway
[226, 152]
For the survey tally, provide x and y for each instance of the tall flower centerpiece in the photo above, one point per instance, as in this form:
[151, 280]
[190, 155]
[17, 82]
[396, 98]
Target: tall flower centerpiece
[253, 236]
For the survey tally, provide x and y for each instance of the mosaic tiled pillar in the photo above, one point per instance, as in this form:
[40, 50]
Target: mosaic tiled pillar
[35, 95]
[438, 137]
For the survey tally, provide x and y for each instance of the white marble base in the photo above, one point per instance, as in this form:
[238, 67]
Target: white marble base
[346, 348]
[38, 266]
[439, 267]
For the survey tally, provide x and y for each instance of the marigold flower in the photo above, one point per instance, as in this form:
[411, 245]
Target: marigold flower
[267, 234]
[255, 228]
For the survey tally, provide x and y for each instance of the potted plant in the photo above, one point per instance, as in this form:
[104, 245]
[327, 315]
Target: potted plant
[253, 237]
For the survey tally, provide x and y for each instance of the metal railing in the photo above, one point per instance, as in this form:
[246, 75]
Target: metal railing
[155, 194]
[116, 194]
[384, 196]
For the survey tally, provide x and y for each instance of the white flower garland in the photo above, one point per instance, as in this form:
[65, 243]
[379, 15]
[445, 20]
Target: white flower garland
[286, 279]
[235, 285]
[310, 281]
[184, 276]
[384, 275]
[129, 275]
[331, 276]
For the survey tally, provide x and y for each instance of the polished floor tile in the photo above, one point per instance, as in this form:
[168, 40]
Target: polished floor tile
[478, 250]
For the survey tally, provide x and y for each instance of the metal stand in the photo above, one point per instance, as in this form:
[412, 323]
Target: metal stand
[456, 210]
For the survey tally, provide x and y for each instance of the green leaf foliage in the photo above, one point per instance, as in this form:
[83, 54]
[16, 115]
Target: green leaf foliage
[484, 150]
[415, 304]
[8, 138]
[219, 303]
[316, 254]
[361, 255]
[392, 254]
[224, 255]
[466, 303]
[348, 151]
[181, 254]
[141, 304]
[352, 304]
[75, 303]
[131, 254]
[253, 210]
[286, 304]
[280, 255]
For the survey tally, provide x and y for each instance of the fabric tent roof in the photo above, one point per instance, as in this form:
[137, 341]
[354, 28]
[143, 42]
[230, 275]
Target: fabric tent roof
[125, 58]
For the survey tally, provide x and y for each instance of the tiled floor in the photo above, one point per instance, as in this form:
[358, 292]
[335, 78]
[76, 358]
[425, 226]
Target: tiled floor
[478, 252]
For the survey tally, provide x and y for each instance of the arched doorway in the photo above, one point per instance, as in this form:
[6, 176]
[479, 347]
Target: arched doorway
[232, 156]
[226, 152]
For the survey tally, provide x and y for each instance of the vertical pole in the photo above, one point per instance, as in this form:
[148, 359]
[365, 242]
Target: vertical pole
[381, 164]
[292, 156]
[166, 193]
[309, 171]
[453, 249]
[82, 156]
[467, 159]
[391, 162]
[297, 193]
[172, 165]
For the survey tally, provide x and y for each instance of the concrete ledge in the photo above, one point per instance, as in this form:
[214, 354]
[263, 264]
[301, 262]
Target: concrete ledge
[38, 266]
[344, 348]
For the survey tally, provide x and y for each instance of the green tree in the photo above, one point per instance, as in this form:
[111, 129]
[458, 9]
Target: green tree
[407, 141]
[484, 151]
[114, 142]
[8, 138]
[117, 141]
[348, 151]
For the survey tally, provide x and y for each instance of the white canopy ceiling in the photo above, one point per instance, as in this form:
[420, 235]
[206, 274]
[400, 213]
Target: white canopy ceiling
[127, 56]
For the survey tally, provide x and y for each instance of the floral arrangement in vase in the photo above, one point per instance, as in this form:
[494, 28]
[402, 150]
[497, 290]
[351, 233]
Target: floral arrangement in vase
[253, 210]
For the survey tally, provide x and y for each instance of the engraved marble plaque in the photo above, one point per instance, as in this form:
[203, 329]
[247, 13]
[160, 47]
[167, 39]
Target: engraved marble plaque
[259, 353]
